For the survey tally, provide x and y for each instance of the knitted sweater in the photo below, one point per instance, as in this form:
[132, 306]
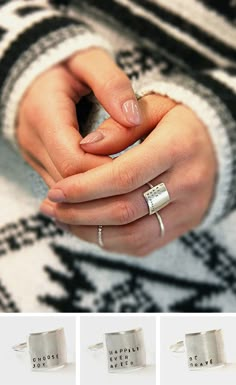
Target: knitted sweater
[184, 49]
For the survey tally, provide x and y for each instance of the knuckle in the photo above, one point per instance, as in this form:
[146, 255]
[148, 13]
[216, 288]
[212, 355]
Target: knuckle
[174, 150]
[125, 179]
[70, 189]
[184, 148]
[118, 81]
[125, 212]
[68, 168]
[197, 178]
[180, 150]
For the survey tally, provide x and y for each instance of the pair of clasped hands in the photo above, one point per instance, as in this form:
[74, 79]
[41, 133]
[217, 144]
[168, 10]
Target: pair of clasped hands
[87, 187]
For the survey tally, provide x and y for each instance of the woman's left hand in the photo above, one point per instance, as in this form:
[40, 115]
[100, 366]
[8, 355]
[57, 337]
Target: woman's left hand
[177, 151]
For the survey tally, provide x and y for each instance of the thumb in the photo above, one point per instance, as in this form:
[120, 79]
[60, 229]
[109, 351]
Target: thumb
[111, 137]
[109, 83]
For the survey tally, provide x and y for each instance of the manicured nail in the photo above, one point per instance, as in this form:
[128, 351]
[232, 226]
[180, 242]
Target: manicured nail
[93, 137]
[47, 210]
[132, 112]
[56, 195]
[62, 226]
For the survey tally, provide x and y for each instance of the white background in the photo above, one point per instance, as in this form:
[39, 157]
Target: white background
[15, 367]
[93, 364]
[174, 368]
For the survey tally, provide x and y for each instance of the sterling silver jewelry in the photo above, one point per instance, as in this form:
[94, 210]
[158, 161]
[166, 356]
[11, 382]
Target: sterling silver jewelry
[99, 234]
[203, 349]
[47, 350]
[125, 350]
[156, 197]
[159, 218]
[162, 227]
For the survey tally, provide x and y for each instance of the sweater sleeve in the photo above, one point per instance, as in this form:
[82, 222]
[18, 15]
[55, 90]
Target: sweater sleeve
[211, 95]
[35, 35]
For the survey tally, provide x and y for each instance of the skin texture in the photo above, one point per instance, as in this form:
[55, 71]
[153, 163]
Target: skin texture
[177, 151]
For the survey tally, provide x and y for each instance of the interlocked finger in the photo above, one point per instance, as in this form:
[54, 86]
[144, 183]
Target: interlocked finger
[139, 237]
[118, 210]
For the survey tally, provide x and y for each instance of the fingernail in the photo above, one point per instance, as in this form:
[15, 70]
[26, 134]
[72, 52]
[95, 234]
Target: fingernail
[132, 112]
[47, 210]
[56, 195]
[62, 226]
[93, 137]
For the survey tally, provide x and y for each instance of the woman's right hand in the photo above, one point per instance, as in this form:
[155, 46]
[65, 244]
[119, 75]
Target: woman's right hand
[47, 126]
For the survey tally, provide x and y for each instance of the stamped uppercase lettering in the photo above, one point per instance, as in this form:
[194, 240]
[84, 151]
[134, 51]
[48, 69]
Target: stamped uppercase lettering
[124, 350]
[41, 361]
[121, 358]
[200, 363]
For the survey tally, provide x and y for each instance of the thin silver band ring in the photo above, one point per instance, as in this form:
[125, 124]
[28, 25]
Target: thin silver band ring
[20, 347]
[159, 218]
[99, 235]
[162, 227]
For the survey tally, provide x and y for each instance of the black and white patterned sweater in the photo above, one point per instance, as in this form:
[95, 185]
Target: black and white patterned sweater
[182, 48]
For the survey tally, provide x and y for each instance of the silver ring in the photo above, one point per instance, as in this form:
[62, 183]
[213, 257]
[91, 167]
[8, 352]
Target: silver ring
[156, 197]
[159, 218]
[203, 349]
[99, 235]
[162, 227]
[125, 350]
[47, 350]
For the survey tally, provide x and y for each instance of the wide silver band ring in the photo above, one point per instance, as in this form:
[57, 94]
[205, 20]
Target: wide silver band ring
[159, 218]
[47, 350]
[203, 349]
[156, 197]
[100, 236]
[125, 350]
